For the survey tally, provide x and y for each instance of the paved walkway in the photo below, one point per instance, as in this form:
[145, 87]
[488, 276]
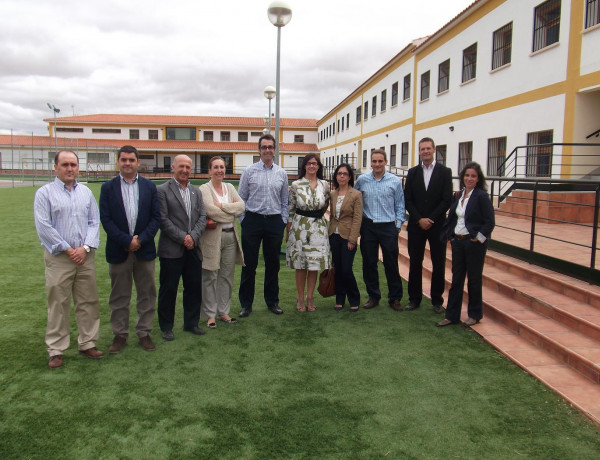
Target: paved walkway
[562, 241]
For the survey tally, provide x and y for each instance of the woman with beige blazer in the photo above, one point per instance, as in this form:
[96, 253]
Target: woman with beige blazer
[344, 228]
[220, 245]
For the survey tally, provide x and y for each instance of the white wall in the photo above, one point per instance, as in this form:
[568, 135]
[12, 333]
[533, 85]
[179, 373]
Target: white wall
[526, 72]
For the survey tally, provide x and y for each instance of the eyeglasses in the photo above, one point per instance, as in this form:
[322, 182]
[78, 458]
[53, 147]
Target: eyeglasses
[341, 173]
[312, 163]
[267, 147]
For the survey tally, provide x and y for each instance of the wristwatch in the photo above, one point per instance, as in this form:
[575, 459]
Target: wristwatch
[86, 247]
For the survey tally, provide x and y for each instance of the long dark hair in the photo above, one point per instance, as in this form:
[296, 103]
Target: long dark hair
[307, 158]
[336, 185]
[481, 178]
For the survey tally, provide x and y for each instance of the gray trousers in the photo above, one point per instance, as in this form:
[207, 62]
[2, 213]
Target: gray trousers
[217, 284]
[121, 282]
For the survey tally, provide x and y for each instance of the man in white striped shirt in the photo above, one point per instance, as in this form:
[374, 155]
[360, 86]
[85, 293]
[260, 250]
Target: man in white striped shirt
[67, 222]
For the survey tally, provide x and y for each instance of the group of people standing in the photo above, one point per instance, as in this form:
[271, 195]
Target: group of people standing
[199, 242]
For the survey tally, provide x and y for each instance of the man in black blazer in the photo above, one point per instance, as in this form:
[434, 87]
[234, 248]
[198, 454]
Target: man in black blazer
[427, 195]
[182, 221]
[130, 216]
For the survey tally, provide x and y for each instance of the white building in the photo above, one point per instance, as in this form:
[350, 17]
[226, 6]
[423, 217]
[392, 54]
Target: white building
[501, 74]
[159, 138]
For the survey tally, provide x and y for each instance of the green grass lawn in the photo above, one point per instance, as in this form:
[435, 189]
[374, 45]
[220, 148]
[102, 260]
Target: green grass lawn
[376, 384]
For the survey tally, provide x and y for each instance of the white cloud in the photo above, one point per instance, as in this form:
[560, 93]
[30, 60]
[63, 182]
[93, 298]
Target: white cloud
[196, 57]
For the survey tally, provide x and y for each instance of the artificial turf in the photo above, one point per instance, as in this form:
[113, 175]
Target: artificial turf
[372, 384]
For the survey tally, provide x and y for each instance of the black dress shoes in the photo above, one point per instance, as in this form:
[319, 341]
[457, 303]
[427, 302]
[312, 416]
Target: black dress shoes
[245, 312]
[438, 309]
[275, 309]
[411, 306]
[194, 330]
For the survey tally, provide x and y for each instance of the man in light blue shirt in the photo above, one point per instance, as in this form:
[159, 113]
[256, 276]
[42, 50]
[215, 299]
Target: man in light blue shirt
[264, 189]
[383, 216]
[67, 222]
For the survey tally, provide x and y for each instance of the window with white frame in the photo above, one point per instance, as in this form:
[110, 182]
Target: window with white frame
[153, 134]
[393, 155]
[440, 154]
[502, 46]
[134, 134]
[425, 86]
[539, 153]
[406, 93]
[465, 154]
[546, 24]
[592, 13]
[208, 135]
[225, 136]
[496, 156]
[443, 76]
[374, 106]
[404, 154]
[366, 111]
[469, 70]
[383, 100]
[243, 136]
[364, 158]
[299, 138]
[395, 94]
[358, 113]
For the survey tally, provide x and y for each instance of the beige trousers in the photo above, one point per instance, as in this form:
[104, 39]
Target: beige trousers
[217, 284]
[122, 277]
[63, 280]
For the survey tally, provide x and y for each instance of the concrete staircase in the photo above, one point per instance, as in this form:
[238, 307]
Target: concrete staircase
[547, 323]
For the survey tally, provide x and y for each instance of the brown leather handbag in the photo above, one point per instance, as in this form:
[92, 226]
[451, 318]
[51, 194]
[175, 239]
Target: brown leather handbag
[327, 282]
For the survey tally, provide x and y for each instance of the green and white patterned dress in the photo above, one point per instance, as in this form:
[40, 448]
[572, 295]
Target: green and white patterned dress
[308, 242]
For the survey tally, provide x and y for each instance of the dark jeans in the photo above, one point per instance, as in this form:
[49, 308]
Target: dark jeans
[188, 268]
[257, 228]
[345, 283]
[416, 250]
[372, 236]
[467, 260]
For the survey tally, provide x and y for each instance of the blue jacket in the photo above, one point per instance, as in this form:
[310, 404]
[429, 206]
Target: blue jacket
[114, 220]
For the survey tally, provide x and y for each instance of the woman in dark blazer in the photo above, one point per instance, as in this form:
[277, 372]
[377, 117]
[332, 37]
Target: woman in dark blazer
[468, 227]
[344, 228]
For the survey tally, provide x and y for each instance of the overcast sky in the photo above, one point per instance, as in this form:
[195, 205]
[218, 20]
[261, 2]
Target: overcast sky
[195, 57]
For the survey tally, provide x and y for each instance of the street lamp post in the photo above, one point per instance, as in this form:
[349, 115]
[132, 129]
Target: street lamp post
[279, 14]
[269, 93]
[55, 111]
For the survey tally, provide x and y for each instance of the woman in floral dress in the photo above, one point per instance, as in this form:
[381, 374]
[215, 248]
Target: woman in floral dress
[307, 237]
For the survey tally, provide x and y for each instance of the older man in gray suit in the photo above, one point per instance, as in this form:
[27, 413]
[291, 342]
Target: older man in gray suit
[182, 221]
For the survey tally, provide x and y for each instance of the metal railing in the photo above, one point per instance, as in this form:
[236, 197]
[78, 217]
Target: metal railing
[561, 214]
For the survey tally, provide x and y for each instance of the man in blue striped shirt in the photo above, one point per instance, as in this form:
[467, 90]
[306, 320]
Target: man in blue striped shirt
[383, 216]
[264, 189]
[67, 222]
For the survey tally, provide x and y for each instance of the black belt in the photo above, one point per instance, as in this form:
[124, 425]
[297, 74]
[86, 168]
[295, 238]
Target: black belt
[462, 237]
[230, 229]
[263, 215]
[370, 221]
[314, 214]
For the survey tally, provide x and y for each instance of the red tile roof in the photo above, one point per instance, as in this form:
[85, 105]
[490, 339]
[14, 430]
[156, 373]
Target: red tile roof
[182, 120]
[24, 142]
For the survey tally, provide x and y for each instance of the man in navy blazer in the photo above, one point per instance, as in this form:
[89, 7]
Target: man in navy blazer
[130, 215]
[182, 221]
[427, 195]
